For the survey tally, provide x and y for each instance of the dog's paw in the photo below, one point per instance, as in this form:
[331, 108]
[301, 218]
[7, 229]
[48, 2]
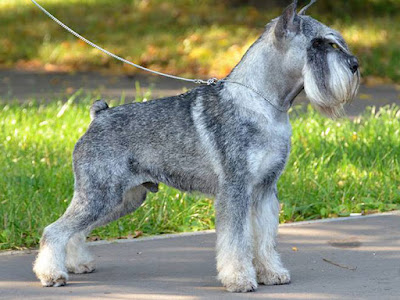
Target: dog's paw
[274, 278]
[242, 285]
[55, 279]
[48, 270]
[82, 268]
[239, 283]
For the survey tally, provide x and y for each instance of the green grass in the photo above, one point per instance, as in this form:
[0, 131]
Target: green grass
[187, 37]
[335, 168]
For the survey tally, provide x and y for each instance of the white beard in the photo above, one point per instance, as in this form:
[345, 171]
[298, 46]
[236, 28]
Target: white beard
[341, 88]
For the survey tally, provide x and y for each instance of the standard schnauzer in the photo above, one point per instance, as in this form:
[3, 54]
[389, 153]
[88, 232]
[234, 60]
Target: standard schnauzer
[230, 139]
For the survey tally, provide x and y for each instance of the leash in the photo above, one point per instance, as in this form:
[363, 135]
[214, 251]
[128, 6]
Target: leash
[278, 108]
[197, 81]
[210, 81]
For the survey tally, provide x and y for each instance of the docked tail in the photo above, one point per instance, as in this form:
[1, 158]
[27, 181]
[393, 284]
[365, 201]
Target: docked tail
[97, 107]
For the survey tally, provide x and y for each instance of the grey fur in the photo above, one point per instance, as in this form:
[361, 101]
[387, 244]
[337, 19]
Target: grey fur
[97, 107]
[223, 139]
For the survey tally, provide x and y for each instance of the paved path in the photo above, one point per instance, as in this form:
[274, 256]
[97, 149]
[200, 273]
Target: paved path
[24, 85]
[356, 258]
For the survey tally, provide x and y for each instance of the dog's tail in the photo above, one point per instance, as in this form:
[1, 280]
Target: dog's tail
[97, 107]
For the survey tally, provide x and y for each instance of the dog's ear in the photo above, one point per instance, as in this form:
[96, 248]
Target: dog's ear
[288, 22]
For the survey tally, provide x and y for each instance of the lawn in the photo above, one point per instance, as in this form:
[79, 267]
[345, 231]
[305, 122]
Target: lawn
[336, 168]
[183, 37]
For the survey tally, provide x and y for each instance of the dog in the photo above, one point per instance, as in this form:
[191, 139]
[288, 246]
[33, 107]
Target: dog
[230, 139]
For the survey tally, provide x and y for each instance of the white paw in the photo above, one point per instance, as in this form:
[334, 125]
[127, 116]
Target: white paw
[49, 270]
[274, 277]
[239, 281]
[240, 286]
[82, 268]
[55, 279]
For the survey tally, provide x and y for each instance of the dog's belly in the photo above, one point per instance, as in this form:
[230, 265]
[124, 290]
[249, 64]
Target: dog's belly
[185, 168]
[201, 180]
[186, 171]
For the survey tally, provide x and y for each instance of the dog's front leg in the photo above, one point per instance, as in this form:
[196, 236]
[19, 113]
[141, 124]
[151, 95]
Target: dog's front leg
[265, 220]
[234, 239]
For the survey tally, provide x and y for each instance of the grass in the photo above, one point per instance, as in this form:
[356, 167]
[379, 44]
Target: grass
[336, 168]
[192, 38]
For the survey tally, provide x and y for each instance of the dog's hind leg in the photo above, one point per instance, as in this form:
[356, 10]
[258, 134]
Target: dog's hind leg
[88, 206]
[78, 257]
[131, 200]
[265, 218]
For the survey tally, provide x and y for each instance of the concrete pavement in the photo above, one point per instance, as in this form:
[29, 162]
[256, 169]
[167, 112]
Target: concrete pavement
[349, 258]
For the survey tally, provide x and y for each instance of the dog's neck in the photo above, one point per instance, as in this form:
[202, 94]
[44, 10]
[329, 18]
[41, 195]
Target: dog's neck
[261, 69]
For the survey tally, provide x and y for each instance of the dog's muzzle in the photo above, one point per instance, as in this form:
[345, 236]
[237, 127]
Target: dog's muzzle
[353, 64]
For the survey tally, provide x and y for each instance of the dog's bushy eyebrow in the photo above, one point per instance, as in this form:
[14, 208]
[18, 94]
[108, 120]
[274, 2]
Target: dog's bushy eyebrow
[334, 37]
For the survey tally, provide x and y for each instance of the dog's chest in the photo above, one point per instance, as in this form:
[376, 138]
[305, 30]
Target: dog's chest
[267, 160]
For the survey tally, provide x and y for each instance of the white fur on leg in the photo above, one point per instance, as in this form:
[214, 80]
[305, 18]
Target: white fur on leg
[270, 270]
[267, 262]
[234, 263]
[78, 258]
[49, 265]
[236, 275]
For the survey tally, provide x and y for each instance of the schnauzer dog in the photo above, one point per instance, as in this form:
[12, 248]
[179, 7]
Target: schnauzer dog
[230, 139]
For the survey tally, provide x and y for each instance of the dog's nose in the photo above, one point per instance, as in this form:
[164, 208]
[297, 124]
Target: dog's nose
[353, 63]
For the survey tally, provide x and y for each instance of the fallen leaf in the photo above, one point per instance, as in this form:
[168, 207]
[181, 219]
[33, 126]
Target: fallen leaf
[365, 96]
[138, 233]
[69, 90]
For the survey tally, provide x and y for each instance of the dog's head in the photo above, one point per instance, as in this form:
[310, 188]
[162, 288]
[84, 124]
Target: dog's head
[319, 55]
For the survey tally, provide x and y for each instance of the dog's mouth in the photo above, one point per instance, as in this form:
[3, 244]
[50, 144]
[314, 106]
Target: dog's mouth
[331, 91]
[333, 112]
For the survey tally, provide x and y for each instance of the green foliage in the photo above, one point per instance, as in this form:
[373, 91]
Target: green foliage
[340, 167]
[193, 38]
[335, 168]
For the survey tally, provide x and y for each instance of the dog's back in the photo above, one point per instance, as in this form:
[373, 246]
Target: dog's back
[156, 139]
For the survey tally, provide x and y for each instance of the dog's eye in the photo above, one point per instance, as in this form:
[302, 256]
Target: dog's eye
[317, 43]
[334, 46]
